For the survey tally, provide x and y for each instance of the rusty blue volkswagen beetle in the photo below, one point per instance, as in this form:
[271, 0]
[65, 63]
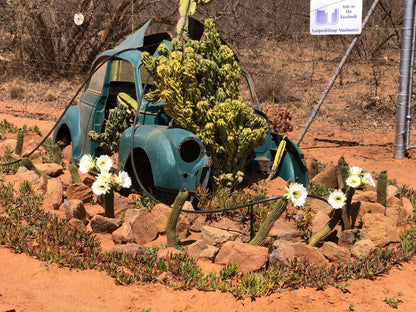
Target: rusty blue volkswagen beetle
[165, 158]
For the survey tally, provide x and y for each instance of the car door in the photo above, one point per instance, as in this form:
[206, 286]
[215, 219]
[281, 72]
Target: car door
[92, 106]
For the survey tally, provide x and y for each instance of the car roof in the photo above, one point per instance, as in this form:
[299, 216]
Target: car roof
[129, 49]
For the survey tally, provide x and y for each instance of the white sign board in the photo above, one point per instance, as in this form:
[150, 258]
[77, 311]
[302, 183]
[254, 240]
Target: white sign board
[336, 17]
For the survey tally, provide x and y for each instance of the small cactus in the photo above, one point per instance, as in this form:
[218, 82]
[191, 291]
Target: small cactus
[19, 143]
[30, 166]
[109, 203]
[264, 230]
[342, 173]
[326, 230]
[56, 153]
[74, 173]
[174, 216]
[382, 188]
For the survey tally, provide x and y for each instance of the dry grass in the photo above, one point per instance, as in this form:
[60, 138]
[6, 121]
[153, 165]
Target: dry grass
[15, 90]
[292, 75]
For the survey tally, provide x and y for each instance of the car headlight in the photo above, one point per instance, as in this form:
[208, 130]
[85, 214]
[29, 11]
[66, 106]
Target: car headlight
[190, 150]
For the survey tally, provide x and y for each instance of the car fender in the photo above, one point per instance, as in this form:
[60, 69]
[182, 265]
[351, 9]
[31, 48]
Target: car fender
[162, 147]
[71, 120]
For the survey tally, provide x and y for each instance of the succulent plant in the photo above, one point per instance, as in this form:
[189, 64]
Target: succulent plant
[118, 121]
[19, 143]
[199, 82]
[173, 218]
[382, 188]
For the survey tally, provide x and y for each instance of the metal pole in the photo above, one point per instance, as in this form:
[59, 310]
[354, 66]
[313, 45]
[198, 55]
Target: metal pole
[405, 76]
[410, 86]
[335, 75]
[405, 81]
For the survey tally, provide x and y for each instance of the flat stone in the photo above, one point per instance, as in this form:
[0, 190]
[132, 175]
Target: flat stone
[79, 191]
[335, 253]
[209, 253]
[310, 254]
[123, 235]
[161, 213]
[74, 208]
[362, 248]
[100, 224]
[215, 236]
[284, 230]
[50, 169]
[54, 193]
[282, 251]
[195, 249]
[130, 248]
[319, 220]
[347, 238]
[249, 258]
[380, 229]
[368, 196]
[143, 225]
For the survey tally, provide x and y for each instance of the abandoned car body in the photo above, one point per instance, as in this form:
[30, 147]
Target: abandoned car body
[165, 158]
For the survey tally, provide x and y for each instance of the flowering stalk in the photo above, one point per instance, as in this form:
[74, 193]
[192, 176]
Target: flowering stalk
[326, 230]
[356, 179]
[109, 204]
[106, 182]
[346, 210]
[337, 200]
[297, 194]
[264, 230]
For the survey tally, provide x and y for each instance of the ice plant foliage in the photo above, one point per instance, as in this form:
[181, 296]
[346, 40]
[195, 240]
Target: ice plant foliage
[106, 181]
[297, 194]
[337, 199]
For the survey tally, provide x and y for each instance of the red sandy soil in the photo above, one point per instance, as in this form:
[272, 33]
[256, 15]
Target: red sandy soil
[27, 284]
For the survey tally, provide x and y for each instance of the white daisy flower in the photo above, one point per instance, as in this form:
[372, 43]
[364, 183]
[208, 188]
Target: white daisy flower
[297, 194]
[100, 187]
[368, 179]
[86, 163]
[104, 163]
[354, 170]
[353, 181]
[123, 179]
[337, 199]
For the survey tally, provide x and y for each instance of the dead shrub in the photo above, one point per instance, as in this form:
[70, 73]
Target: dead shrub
[16, 90]
[280, 118]
[50, 96]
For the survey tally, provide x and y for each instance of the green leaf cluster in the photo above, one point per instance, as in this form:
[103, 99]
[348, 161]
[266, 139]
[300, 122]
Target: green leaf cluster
[118, 121]
[199, 82]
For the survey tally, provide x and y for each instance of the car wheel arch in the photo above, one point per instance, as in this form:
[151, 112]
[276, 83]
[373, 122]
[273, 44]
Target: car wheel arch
[143, 168]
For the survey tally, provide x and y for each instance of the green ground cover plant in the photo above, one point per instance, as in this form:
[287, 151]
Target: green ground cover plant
[29, 229]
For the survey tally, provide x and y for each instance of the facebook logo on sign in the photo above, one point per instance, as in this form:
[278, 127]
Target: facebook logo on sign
[326, 17]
